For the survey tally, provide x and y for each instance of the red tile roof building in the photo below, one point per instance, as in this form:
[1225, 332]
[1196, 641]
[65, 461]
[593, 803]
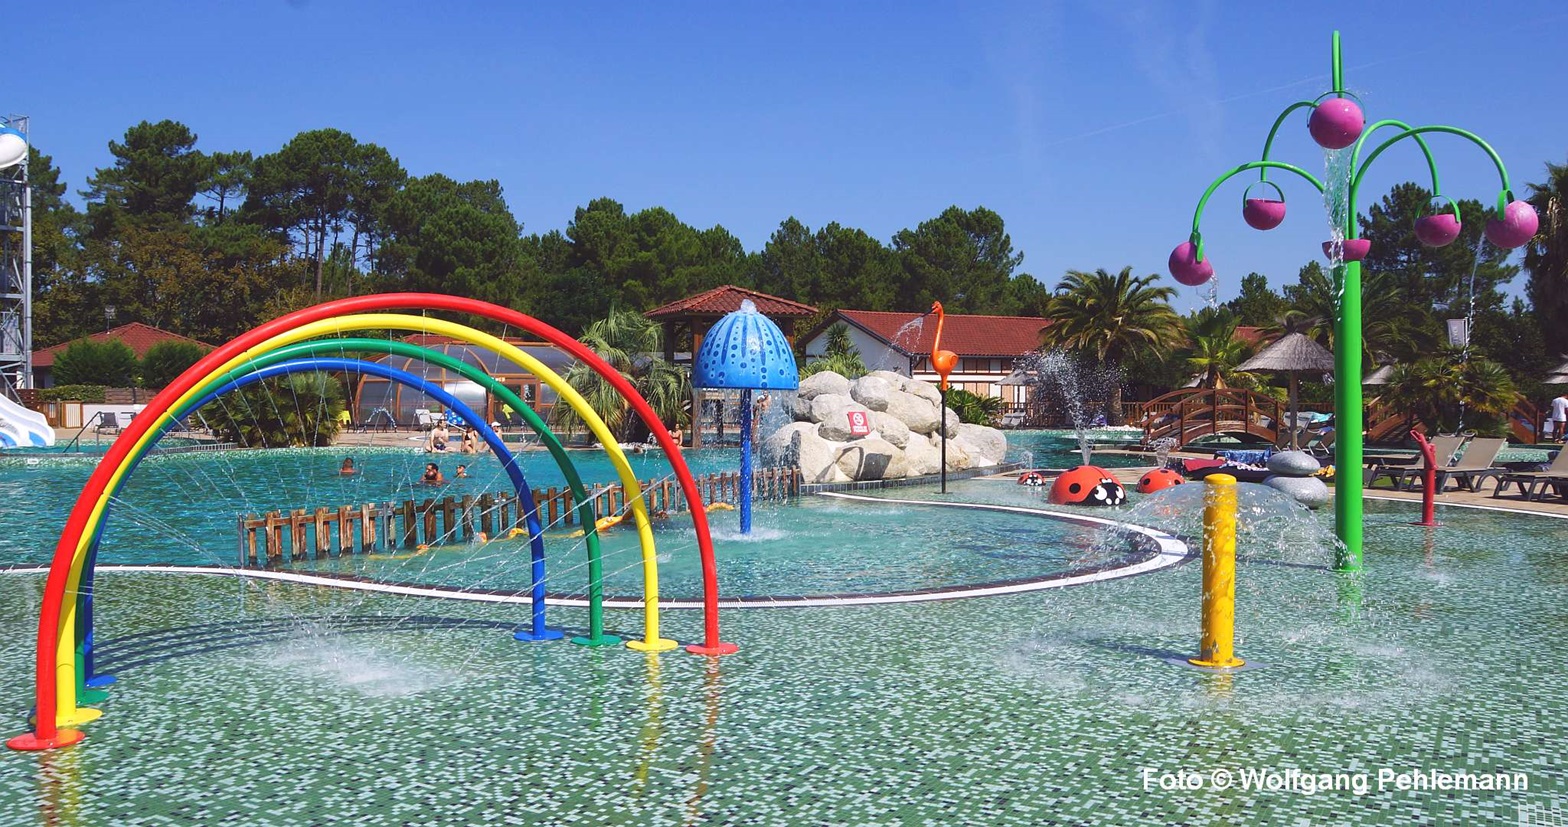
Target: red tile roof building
[139, 337]
[986, 346]
[727, 299]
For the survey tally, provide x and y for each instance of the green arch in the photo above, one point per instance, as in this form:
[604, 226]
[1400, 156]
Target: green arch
[585, 512]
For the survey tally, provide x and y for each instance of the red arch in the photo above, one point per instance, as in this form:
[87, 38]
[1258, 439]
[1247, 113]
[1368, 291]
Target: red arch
[45, 729]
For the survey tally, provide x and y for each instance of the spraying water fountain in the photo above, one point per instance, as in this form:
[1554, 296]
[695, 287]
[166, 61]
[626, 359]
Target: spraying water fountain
[745, 351]
[1337, 124]
[1060, 376]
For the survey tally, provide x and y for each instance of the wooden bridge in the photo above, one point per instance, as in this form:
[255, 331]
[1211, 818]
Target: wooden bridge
[1191, 413]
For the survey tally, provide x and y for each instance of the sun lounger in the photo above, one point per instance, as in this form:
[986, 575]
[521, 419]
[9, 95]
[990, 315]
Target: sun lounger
[1533, 484]
[1475, 465]
[1404, 476]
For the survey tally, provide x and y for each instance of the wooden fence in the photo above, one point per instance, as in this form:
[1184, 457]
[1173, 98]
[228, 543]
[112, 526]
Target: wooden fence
[276, 538]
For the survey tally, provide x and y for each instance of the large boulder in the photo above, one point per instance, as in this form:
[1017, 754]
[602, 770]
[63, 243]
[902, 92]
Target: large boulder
[980, 441]
[957, 458]
[832, 416]
[779, 447]
[924, 390]
[895, 380]
[922, 457]
[871, 391]
[890, 428]
[817, 457]
[820, 383]
[917, 414]
[952, 421]
[872, 459]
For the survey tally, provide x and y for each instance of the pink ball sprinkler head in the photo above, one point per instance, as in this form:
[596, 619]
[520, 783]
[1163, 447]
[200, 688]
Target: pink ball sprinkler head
[1518, 225]
[1185, 267]
[1438, 230]
[1353, 249]
[1263, 213]
[1336, 123]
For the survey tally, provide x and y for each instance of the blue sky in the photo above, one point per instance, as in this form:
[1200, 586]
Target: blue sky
[1091, 127]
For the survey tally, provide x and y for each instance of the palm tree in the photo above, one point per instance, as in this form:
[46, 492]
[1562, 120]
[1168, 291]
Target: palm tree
[1393, 330]
[1213, 351]
[1446, 390]
[1111, 318]
[629, 342]
[840, 357]
[1546, 257]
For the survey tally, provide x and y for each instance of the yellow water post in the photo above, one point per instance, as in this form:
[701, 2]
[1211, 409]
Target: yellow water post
[1217, 646]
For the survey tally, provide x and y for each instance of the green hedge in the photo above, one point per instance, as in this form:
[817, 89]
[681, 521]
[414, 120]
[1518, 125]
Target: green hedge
[74, 393]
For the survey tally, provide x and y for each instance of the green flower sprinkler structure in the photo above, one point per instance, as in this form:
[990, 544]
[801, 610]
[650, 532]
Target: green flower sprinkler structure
[1337, 124]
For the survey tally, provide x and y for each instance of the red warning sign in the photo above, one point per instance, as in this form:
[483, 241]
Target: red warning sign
[859, 423]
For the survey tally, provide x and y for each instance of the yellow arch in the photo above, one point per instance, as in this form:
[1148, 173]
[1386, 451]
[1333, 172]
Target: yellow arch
[65, 662]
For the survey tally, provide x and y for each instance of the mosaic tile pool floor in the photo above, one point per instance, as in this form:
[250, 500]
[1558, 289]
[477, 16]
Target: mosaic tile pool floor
[252, 703]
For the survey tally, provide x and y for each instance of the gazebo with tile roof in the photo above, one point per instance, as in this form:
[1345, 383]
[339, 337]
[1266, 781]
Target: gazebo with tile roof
[695, 314]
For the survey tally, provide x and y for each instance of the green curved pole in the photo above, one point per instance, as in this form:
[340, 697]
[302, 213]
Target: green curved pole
[1348, 402]
[1431, 161]
[1197, 215]
[585, 512]
[1268, 143]
[1416, 132]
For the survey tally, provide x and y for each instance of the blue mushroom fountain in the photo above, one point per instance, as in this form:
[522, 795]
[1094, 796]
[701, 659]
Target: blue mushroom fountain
[745, 351]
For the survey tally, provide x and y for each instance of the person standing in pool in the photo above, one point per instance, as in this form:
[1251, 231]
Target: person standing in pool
[461, 474]
[432, 475]
[347, 469]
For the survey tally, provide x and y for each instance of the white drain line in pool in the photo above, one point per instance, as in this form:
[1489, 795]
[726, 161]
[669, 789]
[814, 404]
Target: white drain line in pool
[1170, 551]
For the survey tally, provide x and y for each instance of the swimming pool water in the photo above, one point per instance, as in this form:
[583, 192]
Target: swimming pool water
[274, 703]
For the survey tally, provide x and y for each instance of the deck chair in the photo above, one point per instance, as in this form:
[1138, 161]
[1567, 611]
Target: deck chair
[1475, 465]
[424, 419]
[1324, 448]
[1404, 475]
[108, 423]
[1533, 484]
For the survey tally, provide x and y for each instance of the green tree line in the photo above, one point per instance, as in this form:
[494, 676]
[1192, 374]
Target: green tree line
[207, 243]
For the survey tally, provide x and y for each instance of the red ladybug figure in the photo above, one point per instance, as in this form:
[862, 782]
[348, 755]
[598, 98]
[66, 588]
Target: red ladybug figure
[1033, 478]
[1158, 479]
[1087, 485]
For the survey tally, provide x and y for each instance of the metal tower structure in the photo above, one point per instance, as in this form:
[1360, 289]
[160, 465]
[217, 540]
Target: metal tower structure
[16, 270]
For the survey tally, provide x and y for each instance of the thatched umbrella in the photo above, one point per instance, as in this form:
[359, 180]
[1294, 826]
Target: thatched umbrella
[1558, 376]
[1288, 354]
[1382, 376]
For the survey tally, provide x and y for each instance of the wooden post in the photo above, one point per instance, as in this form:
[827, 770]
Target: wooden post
[410, 525]
[323, 529]
[468, 517]
[486, 519]
[428, 511]
[274, 537]
[367, 528]
[297, 519]
[345, 531]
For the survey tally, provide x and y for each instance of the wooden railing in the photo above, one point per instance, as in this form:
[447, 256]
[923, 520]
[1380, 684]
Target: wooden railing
[370, 527]
[1190, 413]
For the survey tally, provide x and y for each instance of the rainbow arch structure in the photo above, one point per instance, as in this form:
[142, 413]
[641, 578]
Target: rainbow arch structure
[58, 673]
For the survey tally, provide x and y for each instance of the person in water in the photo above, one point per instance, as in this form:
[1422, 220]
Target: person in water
[347, 469]
[432, 475]
[462, 473]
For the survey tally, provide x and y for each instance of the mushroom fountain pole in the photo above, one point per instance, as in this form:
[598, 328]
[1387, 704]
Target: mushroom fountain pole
[1336, 123]
[943, 361]
[745, 351]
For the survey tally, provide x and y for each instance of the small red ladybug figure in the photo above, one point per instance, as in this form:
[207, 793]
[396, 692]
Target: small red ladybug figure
[1087, 485]
[1158, 479]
